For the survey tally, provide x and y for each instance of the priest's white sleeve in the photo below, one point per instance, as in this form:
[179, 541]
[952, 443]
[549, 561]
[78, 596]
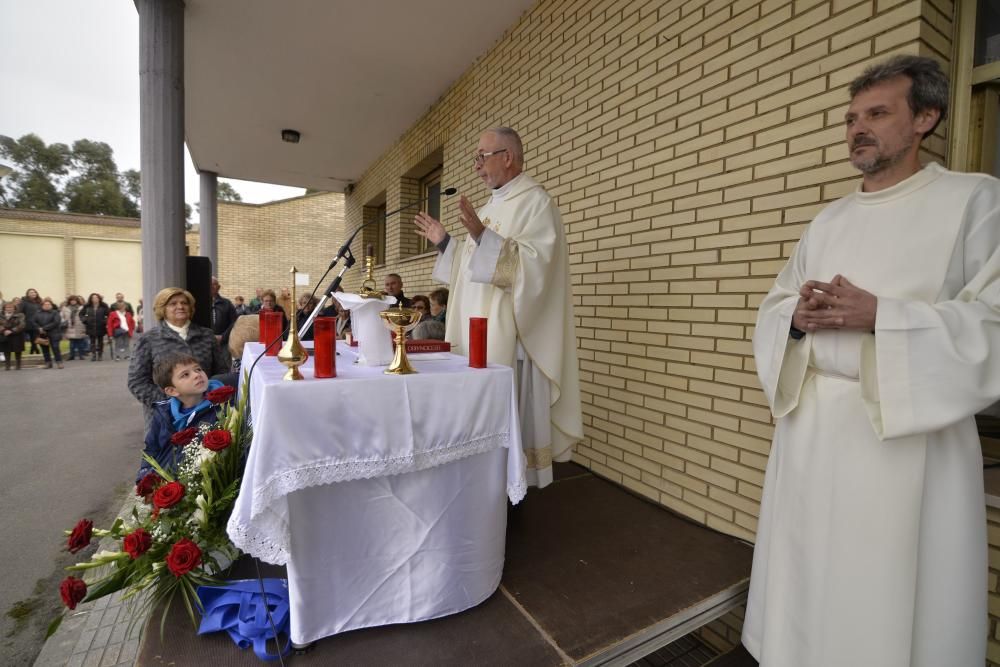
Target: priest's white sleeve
[445, 262]
[487, 262]
[930, 365]
[782, 360]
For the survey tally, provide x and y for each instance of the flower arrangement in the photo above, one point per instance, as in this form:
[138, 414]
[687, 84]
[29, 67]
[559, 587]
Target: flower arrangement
[175, 540]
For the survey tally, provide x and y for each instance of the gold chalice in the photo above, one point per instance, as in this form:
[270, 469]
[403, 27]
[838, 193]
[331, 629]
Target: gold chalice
[402, 319]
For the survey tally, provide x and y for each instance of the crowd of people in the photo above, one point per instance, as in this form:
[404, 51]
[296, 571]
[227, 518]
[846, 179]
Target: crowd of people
[40, 324]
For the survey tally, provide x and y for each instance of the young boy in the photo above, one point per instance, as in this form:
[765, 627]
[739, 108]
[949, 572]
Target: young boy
[182, 379]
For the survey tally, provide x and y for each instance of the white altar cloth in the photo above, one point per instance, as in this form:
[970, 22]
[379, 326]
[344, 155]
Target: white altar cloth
[384, 495]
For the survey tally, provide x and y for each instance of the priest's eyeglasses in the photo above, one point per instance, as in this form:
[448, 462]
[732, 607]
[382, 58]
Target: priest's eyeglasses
[479, 158]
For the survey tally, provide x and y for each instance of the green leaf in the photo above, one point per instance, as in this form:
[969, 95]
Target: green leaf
[158, 468]
[109, 584]
[54, 625]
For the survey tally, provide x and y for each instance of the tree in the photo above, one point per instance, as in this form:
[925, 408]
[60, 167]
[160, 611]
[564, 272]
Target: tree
[132, 187]
[227, 192]
[96, 187]
[34, 182]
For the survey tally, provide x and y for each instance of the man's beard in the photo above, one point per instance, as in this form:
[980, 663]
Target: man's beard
[878, 162]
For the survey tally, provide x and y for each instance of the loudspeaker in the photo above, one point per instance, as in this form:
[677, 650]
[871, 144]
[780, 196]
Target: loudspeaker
[199, 283]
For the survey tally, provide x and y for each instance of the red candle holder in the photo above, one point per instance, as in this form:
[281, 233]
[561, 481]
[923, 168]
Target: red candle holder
[325, 347]
[261, 327]
[477, 342]
[273, 322]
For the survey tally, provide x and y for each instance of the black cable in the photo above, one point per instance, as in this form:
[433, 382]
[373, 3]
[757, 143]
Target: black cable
[270, 619]
[256, 561]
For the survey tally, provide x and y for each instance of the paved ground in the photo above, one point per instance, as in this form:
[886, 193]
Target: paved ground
[70, 442]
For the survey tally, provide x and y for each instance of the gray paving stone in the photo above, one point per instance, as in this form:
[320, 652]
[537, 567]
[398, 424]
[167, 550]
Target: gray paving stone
[94, 618]
[75, 660]
[93, 658]
[83, 643]
[101, 638]
[129, 652]
[118, 633]
[111, 615]
[111, 654]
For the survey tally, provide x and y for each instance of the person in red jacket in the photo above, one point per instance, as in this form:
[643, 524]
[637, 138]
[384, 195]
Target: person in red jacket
[121, 326]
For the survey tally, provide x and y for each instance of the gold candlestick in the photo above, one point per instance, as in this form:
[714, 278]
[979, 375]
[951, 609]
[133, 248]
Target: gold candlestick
[369, 288]
[292, 354]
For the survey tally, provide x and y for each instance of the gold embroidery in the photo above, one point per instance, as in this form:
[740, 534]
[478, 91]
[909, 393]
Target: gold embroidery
[538, 458]
[503, 275]
[486, 222]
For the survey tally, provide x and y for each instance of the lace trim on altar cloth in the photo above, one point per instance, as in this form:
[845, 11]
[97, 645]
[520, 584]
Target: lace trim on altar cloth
[255, 540]
[517, 489]
[289, 481]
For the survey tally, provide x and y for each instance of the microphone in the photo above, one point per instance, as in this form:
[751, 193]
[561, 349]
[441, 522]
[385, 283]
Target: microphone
[347, 244]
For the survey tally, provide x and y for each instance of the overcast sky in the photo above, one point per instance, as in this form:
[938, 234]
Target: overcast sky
[69, 69]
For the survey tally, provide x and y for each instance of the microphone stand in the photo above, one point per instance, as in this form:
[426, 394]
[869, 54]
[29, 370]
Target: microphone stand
[348, 263]
[345, 252]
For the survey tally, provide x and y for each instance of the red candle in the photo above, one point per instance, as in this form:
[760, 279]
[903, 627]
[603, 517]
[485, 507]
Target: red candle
[261, 327]
[273, 320]
[325, 347]
[477, 342]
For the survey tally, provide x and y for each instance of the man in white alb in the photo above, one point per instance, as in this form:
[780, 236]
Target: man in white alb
[513, 268]
[876, 346]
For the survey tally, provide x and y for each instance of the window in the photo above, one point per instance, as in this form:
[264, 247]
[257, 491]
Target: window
[379, 244]
[975, 130]
[373, 234]
[430, 192]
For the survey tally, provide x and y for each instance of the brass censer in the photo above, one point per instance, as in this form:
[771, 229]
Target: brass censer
[403, 319]
[292, 354]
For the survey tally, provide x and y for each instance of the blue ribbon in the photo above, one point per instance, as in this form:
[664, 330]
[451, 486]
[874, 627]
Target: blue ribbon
[239, 609]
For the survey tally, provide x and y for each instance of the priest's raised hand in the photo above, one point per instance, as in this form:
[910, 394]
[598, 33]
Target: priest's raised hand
[429, 228]
[467, 215]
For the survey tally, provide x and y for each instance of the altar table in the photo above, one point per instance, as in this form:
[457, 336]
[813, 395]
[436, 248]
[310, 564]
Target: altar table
[385, 496]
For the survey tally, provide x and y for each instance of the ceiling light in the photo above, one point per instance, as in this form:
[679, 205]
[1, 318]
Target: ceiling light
[291, 136]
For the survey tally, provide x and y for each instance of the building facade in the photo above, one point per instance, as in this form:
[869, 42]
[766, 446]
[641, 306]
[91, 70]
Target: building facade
[259, 243]
[687, 143]
[70, 253]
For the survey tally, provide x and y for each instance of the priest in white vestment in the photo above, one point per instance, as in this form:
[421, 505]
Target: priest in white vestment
[513, 268]
[878, 343]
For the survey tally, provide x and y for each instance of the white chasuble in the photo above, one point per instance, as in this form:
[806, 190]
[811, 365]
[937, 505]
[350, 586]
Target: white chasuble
[518, 278]
[871, 546]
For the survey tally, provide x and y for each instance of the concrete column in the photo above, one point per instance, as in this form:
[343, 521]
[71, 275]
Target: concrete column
[208, 213]
[161, 130]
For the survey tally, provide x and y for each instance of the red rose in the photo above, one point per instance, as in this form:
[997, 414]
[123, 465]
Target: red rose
[147, 484]
[182, 438]
[221, 395]
[137, 543]
[72, 591]
[184, 556]
[80, 537]
[217, 440]
[168, 495]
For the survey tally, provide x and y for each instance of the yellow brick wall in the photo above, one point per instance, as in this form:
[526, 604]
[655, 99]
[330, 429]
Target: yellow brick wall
[259, 243]
[687, 144]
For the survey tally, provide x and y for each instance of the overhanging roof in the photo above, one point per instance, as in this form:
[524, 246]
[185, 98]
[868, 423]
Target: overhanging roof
[350, 76]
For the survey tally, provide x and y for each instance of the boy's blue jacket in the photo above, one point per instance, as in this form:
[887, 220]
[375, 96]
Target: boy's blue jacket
[158, 443]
